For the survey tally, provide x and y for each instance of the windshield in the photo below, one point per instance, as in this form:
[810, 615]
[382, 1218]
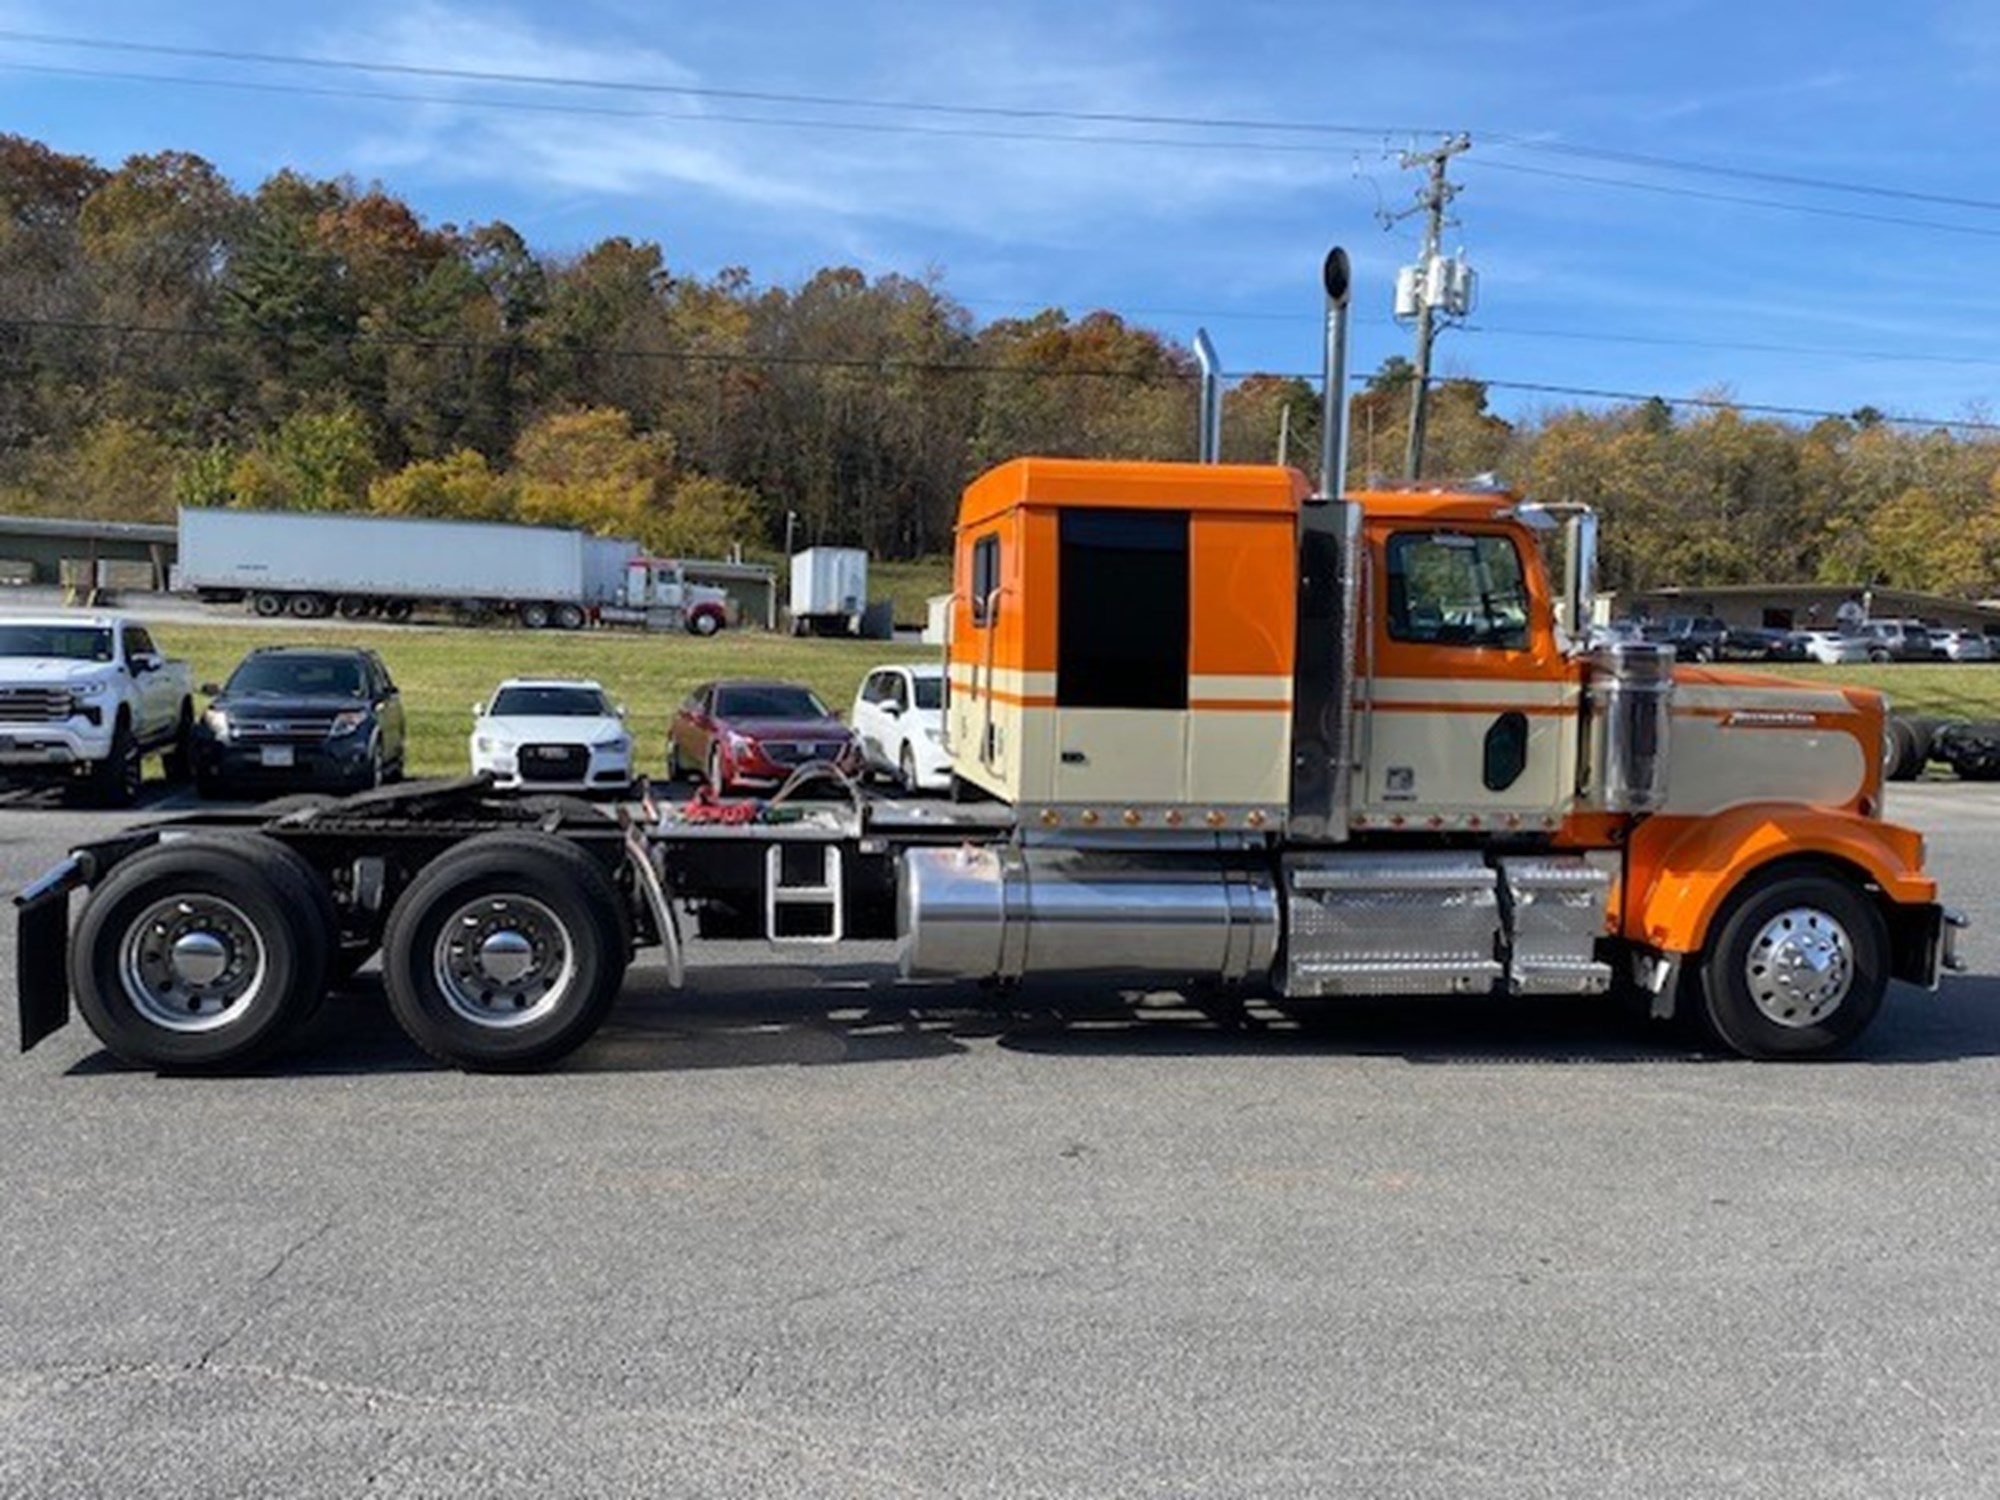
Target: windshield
[768, 700]
[930, 692]
[74, 642]
[550, 703]
[297, 677]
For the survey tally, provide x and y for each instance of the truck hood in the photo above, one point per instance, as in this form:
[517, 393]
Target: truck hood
[52, 671]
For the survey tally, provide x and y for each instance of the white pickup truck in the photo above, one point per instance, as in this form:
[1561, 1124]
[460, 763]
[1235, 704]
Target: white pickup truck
[84, 699]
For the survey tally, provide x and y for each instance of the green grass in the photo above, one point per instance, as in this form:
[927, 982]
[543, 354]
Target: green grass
[909, 585]
[1949, 690]
[443, 672]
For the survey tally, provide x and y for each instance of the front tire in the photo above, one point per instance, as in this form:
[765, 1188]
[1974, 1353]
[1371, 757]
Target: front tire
[1796, 967]
[203, 953]
[178, 763]
[506, 953]
[704, 622]
[115, 781]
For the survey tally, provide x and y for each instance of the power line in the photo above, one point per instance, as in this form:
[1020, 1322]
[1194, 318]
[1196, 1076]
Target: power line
[1743, 174]
[940, 132]
[600, 111]
[1514, 140]
[968, 367]
[691, 91]
[1667, 190]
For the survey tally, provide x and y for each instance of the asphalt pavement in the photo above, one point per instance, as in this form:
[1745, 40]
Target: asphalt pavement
[803, 1230]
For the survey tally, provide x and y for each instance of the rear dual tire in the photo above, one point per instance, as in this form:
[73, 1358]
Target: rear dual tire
[204, 953]
[505, 954]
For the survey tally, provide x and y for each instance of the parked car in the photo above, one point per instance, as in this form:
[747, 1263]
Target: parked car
[1758, 643]
[1899, 640]
[300, 718]
[753, 734]
[554, 735]
[1693, 637]
[1962, 645]
[899, 719]
[83, 701]
[1831, 647]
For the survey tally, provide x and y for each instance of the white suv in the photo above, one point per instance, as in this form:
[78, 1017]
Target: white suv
[899, 719]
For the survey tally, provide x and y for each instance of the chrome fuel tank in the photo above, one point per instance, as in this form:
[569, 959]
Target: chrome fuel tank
[1006, 912]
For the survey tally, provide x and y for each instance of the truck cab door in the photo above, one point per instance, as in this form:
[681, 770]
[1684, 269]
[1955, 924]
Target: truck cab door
[155, 699]
[1470, 707]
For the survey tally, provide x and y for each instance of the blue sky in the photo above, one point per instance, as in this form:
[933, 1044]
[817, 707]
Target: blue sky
[1644, 278]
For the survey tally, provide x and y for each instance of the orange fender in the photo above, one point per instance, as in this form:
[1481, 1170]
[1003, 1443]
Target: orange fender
[1680, 871]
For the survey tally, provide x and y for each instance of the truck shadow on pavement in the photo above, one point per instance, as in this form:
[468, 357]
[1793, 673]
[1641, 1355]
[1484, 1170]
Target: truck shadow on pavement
[742, 1018]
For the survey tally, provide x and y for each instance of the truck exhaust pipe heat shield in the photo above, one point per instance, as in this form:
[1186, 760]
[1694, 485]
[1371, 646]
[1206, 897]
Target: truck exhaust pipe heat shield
[1008, 912]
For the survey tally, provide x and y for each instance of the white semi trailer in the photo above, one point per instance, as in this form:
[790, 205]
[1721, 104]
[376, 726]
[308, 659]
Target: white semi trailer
[310, 565]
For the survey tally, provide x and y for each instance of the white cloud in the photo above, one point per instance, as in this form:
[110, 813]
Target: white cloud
[843, 178]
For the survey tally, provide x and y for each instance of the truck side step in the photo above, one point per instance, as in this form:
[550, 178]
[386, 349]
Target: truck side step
[804, 898]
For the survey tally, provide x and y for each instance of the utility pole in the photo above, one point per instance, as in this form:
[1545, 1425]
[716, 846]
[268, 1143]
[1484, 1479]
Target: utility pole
[1434, 284]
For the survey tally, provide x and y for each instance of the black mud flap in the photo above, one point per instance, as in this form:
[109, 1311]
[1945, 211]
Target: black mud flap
[41, 949]
[1921, 943]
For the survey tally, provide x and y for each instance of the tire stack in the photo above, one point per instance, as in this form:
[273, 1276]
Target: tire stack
[1970, 748]
[1907, 746]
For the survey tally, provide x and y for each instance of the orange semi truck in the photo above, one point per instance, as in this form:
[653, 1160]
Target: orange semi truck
[1208, 727]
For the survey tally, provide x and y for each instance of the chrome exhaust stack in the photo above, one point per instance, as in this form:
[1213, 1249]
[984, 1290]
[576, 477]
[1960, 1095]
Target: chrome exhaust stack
[1210, 444]
[1336, 276]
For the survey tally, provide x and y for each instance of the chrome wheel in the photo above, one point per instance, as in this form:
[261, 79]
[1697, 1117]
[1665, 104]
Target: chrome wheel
[191, 963]
[503, 961]
[1799, 967]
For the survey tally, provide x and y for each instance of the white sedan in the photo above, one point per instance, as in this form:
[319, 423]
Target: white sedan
[1834, 647]
[899, 719]
[541, 734]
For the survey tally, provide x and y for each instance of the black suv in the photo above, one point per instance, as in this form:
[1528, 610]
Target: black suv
[1693, 637]
[300, 717]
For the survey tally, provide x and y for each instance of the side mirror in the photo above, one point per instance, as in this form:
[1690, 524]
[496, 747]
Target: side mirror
[144, 662]
[479, 710]
[211, 689]
[893, 710]
[619, 709]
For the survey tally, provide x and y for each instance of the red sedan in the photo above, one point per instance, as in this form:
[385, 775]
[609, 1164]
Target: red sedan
[745, 734]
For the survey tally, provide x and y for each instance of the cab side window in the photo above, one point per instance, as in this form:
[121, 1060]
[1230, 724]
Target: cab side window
[985, 577]
[1453, 589]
